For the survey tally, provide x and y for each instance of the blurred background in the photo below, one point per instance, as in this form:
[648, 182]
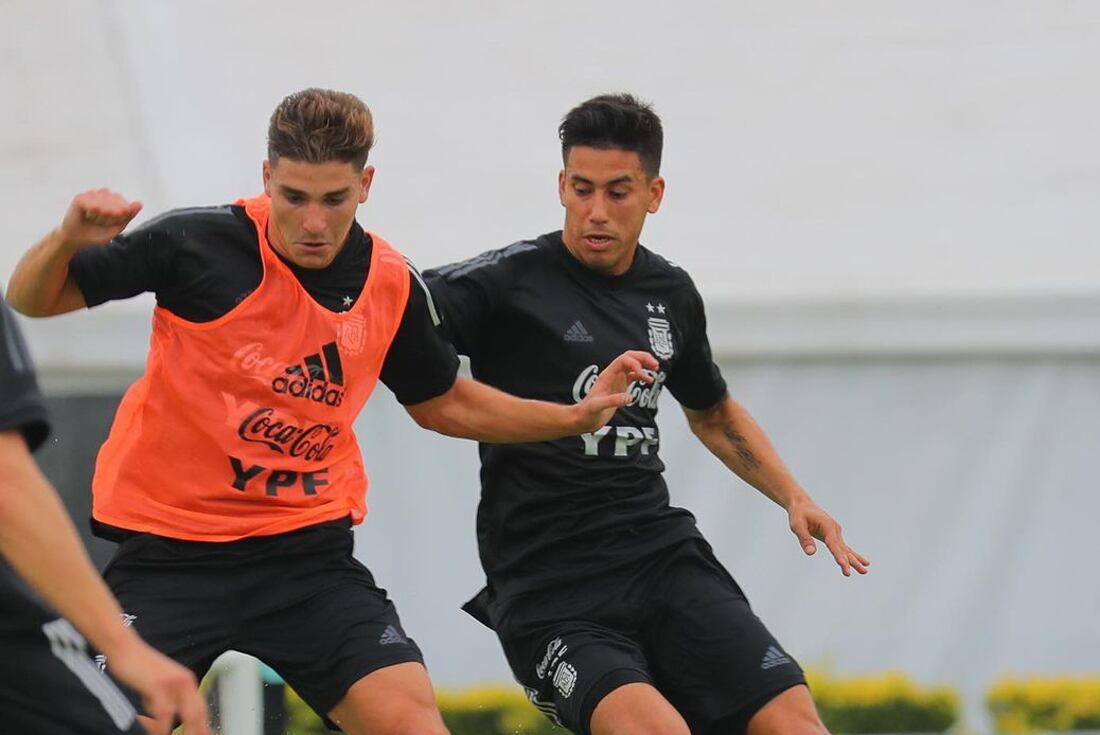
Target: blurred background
[890, 209]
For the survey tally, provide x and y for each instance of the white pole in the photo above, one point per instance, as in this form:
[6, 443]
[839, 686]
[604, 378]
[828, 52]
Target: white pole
[240, 694]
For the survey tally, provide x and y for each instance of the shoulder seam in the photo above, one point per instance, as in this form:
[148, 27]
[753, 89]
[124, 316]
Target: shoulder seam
[215, 209]
[419, 279]
[486, 259]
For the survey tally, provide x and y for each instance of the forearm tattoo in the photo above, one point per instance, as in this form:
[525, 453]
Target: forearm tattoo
[740, 445]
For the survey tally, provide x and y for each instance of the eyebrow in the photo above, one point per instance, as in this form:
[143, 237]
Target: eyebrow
[292, 191]
[578, 179]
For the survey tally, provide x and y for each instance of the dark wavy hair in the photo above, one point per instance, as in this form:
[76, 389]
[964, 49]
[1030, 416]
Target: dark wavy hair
[615, 121]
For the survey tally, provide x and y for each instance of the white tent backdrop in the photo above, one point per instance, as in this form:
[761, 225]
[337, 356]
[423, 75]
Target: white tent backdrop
[889, 207]
[850, 149]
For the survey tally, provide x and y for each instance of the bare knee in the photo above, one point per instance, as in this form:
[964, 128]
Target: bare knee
[396, 700]
[422, 724]
[637, 709]
[412, 721]
[791, 712]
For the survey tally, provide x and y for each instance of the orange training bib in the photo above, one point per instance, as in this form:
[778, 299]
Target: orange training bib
[243, 426]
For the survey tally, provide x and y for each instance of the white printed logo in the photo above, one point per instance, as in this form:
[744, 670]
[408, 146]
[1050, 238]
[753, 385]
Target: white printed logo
[554, 651]
[642, 394]
[565, 678]
[547, 708]
[625, 437]
[660, 337]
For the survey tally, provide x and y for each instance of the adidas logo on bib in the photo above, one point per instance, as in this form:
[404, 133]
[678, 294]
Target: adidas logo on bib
[774, 657]
[321, 381]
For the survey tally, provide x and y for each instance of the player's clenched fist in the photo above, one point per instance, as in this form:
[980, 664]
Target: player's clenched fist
[96, 217]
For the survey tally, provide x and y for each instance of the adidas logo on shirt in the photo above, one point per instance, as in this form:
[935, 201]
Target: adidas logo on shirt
[315, 379]
[774, 657]
[577, 333]
[392, 635]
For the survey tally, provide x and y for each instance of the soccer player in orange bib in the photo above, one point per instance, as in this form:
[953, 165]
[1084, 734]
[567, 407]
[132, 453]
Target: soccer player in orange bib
[232, 475]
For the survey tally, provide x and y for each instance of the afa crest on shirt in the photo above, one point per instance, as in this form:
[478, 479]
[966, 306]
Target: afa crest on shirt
[660, 337]
[353, 335]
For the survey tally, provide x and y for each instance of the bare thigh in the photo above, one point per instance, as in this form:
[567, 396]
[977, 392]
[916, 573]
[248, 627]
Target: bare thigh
[637, 709]
[395, 700]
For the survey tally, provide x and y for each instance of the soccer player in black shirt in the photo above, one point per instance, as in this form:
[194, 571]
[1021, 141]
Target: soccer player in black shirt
[232, 474]
[611, 608]
[48, 683]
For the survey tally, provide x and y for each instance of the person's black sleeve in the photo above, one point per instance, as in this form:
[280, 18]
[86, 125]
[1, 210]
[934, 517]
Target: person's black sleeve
[420, 364]
[465, 293]
[132, 263]
[695, 380]
[21, 406]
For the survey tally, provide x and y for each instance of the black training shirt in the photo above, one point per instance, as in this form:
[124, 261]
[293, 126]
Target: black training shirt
[22, 410]
[202, 262]
[537, 323]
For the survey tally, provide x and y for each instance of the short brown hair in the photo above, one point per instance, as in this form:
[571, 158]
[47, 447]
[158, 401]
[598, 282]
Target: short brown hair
[321, 125]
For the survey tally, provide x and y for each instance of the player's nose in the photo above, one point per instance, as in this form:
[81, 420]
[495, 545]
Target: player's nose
[314, 222]
[598, 213]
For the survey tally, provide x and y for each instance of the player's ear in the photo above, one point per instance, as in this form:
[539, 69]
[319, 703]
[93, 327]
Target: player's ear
[561, 187]
[656, 194]
[267, 177]
[365, 182]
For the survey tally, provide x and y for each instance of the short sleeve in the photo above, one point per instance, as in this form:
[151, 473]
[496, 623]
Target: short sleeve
[420, 364]
[695, 379]
[131, 264]
[467, 293]
[21, 405]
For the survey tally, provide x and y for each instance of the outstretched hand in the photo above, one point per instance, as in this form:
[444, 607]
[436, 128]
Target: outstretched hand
[167, 689]
[96, 217]
[809, 521]
[610, 391]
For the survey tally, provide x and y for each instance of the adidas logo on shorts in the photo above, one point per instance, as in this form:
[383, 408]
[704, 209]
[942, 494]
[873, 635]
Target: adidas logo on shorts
[774, 657]
[392, 635]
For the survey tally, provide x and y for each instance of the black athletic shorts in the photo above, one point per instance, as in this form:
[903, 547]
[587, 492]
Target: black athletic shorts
[297, 601]
[49, 685]
[677, 621]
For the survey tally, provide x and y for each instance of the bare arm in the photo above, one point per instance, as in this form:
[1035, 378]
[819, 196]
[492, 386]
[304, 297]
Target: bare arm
[473, 410]
[732, 435]
[41, 284]
[40, 542]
